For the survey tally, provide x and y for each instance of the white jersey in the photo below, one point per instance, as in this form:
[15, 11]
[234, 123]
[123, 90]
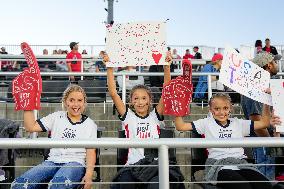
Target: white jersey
[62, 127]
[136, 126]
[236, 128]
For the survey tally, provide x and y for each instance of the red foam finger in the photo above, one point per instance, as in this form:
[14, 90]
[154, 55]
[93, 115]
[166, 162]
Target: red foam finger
[176, 97]
[29, 56]
[27, 86]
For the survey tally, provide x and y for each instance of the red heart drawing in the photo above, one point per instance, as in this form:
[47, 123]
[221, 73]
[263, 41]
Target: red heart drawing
[157, 57]
[283, 84]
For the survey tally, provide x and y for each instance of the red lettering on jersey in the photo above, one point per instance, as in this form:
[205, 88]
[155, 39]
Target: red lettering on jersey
[126, 131]
[158, 129]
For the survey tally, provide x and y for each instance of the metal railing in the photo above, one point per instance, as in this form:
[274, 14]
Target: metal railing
[124, 74]
[206, 51]
[161, 144]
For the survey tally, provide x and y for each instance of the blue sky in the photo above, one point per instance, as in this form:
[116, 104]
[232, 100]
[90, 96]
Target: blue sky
[192, 22]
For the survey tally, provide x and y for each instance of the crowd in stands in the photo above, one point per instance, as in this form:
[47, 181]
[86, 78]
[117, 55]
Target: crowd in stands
[140, 120]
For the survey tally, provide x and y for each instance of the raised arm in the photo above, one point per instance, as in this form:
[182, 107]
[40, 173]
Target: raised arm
[181, 125]
[30, 124]
[120, 106]
[167, 79]
[264, 120]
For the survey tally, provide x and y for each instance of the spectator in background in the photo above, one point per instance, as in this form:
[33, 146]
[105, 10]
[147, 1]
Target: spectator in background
[175, 54]
[43, 65]
[197, 54]
[72, 63]
[176, 59]
[252, 110]
[3, 50]
[202, 85]
[45, 52]
[54, 51]
[187, 55]
[269, 48]
[84, 51]
[258, 47]
[59, 51]
[131, 81]
[89, 66]
[61, 64]
[5, 65]
[100, 66]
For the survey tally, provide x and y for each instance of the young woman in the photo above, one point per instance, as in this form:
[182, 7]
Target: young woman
[138, 121]
[220, 125]
[64, 165]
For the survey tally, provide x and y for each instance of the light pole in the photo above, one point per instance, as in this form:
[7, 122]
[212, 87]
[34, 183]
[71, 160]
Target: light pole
[110, 11]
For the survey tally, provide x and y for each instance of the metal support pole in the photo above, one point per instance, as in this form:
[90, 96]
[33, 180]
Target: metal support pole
[110, 11]
[209, 87]
[164, 167]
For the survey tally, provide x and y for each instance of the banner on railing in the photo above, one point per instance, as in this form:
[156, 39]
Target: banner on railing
[244, 76]
[136, 44]
[277, 92]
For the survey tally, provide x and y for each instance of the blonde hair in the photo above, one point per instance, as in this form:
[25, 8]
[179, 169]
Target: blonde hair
[72, 88]
[147, 89]
[220, 95]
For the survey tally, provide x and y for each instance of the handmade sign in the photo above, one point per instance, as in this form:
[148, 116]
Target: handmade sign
[136, 44]
[277, 92]
[244, 76]
[27, 86]
[178, 93]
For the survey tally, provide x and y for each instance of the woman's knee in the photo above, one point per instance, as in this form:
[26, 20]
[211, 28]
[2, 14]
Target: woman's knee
[61, 182]
[24, 183]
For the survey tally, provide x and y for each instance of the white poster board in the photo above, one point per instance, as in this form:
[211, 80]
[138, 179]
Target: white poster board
[244, 77]
[277, 92]
[136, 44]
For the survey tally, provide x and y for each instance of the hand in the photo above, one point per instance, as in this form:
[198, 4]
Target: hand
[268, 91]
[87, 181]
[275, 120]
[27, 86]
[169, 57]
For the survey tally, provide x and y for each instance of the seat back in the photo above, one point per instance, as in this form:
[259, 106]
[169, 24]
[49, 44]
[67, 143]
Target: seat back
[52, 91]
[9, 93]
[95, 90]
[198, 156]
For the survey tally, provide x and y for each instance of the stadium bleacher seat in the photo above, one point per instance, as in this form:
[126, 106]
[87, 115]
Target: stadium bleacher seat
[52, 90]
[95, 90]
